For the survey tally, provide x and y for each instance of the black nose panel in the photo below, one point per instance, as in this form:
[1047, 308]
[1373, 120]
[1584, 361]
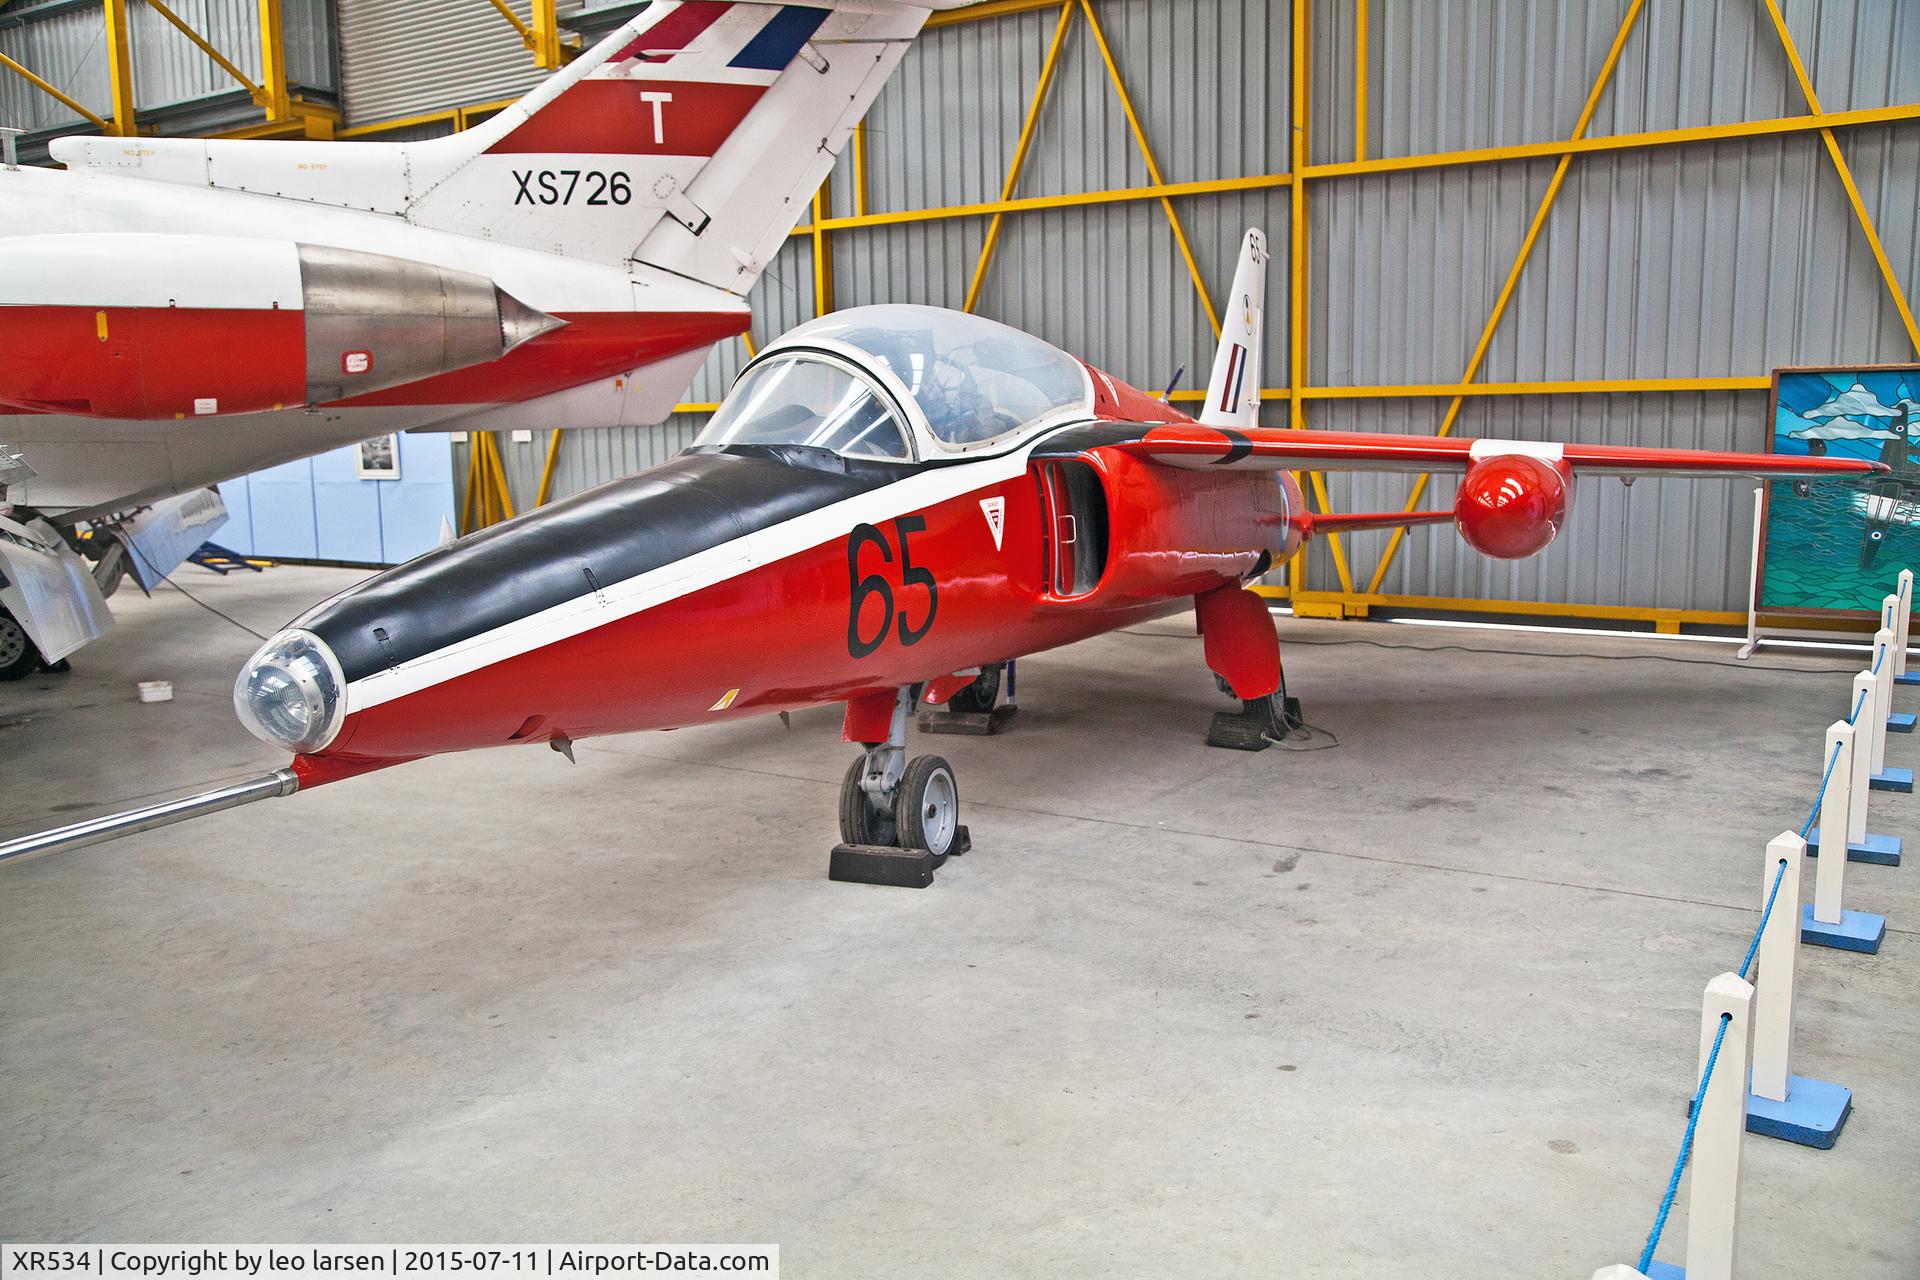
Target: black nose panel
[580, 545]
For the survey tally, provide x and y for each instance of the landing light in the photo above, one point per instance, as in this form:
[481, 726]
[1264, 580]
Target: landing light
[291, 693]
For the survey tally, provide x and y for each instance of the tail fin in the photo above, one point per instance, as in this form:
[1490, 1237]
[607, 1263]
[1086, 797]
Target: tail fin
[1233, 394]
[690, 139]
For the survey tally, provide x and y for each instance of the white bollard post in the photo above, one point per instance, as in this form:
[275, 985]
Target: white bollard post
[1618, 1271]
[1836, 808]
[1783, 1105]
[1882, 697]
[1902, 620]
[1859, 706]
[1713, 1197]
[1779, 945]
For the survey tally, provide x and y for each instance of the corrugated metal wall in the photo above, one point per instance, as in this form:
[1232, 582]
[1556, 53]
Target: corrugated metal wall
[401, 58]
[65, 43]
[1706, 260]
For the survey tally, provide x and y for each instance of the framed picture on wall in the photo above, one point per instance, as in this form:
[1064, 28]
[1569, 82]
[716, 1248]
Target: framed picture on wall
[1834, 549]
[378, 459]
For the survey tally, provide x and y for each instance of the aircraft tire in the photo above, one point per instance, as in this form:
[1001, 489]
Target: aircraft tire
[860, 821]
[18, 656]
[927, 809]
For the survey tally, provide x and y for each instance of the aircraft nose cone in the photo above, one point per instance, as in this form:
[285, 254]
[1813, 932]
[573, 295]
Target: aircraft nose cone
[291, 693]
[520, 323]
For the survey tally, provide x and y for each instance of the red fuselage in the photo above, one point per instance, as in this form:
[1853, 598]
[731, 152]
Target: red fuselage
[747, 581]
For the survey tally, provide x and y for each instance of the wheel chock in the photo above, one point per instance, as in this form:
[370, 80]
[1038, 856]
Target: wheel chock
[891, 865]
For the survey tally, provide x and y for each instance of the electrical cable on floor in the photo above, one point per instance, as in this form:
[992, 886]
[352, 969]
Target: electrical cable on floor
[148, 561]
[1527, 653]
[1298, 730]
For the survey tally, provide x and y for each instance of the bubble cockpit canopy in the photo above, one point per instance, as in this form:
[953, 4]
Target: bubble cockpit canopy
[832, 383]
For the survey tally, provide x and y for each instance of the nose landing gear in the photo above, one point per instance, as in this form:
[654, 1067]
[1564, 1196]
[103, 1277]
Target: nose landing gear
[899, 818]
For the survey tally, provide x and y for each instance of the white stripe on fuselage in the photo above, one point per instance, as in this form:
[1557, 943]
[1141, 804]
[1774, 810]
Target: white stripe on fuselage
[683, 577]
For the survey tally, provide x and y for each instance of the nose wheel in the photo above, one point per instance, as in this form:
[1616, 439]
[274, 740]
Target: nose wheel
[899, 818]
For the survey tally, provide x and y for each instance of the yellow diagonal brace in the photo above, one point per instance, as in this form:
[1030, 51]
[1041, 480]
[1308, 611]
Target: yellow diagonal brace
[1020, 151]
[1846, 178]
[48, 88]
[519, 23]
[546, 472]
[1513, 277]
[1153, 169]
[200, 42]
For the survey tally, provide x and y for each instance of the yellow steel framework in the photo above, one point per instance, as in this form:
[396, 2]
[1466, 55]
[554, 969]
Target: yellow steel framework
[284, 115]
[487, 495]
[1302, 172]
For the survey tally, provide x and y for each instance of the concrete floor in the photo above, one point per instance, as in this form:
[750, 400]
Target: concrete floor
[1422, 1005]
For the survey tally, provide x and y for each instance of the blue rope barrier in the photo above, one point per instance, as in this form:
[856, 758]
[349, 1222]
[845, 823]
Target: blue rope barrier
[1821, 798]
[1858, 703]
[1766, 913]
[1686, 1147]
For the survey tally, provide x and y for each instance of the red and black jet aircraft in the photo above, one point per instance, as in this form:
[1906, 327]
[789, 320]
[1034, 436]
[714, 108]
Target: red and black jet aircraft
[891, 504]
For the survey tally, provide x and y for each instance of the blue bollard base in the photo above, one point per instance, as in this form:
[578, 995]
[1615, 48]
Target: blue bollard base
[1891, 779]
[1910, 678]
[1812, 1115]
[1901, 722]
[1880, 850]
[1857, 931]
[1665, 1271]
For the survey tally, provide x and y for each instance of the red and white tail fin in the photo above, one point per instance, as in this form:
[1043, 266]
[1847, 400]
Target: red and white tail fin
[691, 139]
[1233, 393]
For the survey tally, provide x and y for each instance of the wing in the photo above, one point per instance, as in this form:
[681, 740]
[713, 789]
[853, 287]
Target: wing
[1280, 449]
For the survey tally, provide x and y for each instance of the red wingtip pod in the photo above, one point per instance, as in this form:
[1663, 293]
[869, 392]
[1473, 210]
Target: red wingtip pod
[1511, 505]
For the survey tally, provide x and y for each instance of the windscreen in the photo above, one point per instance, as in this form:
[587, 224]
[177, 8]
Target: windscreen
[804, 400]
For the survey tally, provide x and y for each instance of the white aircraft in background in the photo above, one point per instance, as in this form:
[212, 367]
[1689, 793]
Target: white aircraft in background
[177, 312]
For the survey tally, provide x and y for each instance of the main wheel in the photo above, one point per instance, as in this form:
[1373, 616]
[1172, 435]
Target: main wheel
[979, 696]
[18, 657]
[862, 821]
[927, 808]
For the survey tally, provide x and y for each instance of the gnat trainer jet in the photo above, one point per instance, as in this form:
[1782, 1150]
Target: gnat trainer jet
[177, 312]
[891, 503]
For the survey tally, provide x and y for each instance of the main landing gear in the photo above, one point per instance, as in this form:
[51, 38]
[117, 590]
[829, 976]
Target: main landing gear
[899, 818]
[1243, 651]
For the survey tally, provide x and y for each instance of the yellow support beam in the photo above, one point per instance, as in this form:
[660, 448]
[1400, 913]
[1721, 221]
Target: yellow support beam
[119, 67]
[1600, 84]
[1359, 79]
[53, 92]
[1841, 167]
[1668, 621]
[551, 49]
[859, 170]
[1047, 66]
[1567, 387]
[1074, 200]
[1393, 164]
[822, 256]
[273, 62]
